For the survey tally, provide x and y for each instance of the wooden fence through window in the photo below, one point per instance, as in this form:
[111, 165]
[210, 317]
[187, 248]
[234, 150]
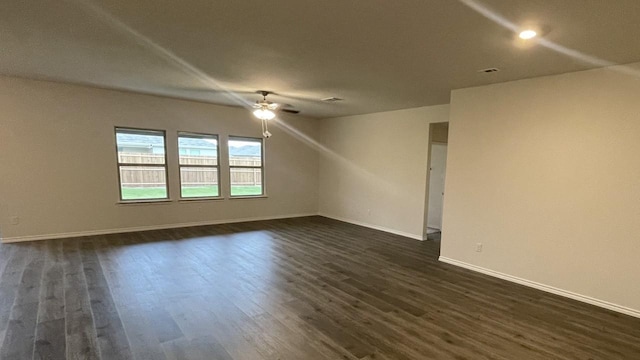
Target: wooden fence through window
[149, 176]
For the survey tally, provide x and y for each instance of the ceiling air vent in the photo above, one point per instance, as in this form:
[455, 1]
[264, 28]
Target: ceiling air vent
[332, 99]
[489, 70]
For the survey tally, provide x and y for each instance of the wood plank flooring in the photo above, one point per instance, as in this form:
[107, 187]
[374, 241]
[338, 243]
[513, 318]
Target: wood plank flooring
[306, 288]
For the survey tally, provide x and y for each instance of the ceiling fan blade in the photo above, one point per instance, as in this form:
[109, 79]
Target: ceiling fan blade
[274, 106]
[292, 97]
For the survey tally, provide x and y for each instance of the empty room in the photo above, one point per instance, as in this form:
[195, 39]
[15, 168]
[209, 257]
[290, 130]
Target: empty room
[376, 180]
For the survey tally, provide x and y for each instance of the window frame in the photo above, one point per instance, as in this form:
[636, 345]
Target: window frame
[141, 131]
[261, 167]
[217, 167]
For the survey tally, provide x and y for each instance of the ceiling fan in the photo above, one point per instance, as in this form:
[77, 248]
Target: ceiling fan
[265, 111]
[283, 107]
[288, 108]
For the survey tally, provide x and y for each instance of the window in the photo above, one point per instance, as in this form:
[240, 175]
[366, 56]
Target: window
[246, 166]
[199, 165]
[142, 164]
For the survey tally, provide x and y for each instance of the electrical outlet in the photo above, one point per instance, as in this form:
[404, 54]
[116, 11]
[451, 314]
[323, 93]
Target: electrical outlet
[14, 220]
[479, 247]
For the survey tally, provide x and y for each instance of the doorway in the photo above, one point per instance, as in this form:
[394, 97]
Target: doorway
[438, 141]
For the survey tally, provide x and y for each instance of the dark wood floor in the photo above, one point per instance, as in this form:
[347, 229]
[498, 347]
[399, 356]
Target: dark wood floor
[309, 288]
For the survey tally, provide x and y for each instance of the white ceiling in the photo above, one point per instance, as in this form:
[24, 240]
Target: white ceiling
[376, 54]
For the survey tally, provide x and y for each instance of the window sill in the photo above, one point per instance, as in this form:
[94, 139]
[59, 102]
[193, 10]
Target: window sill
[144, 202]
[248, 197]
[201, 199]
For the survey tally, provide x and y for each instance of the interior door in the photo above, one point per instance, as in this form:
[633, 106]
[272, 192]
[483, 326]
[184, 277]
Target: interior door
[436, 185]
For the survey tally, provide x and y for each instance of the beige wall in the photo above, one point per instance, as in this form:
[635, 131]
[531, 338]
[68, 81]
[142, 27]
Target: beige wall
[546, 174]
[374, 168]
[53, 134]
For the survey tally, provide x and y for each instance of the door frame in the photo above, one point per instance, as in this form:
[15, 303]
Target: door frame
[428, 177]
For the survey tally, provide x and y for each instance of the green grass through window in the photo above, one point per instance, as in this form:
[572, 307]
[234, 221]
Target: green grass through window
[245, 190]
[136, 193]
[200, 191]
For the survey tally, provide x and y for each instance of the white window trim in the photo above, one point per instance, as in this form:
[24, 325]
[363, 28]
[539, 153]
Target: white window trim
[263, 193]
[217, 167]
[130, 130]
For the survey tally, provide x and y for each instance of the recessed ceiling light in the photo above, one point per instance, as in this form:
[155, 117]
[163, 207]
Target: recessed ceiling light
[527, 34]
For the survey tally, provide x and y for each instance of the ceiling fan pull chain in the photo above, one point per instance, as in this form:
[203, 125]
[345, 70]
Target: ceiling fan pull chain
[265, 129]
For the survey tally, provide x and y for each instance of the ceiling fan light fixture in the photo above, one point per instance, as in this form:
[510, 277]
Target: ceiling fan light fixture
[528, 34]
[264, 114]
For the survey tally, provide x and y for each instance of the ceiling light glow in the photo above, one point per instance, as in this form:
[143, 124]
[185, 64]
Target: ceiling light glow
[264, 114]
[527, 34]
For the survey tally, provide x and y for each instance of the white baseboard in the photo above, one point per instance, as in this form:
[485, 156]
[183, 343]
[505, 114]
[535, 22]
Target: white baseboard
[554, 290]
[145, 228]
[375, 227]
